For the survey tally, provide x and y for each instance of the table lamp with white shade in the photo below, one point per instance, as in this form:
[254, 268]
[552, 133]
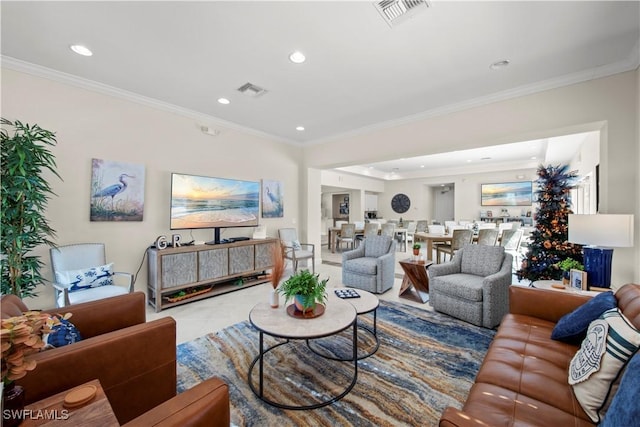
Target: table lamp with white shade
[600, 233]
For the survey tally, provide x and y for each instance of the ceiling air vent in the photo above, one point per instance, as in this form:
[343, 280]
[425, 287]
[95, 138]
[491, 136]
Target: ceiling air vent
[397, 11]
[252, 90]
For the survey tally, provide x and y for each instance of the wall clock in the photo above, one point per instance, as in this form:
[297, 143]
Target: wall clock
[400, 203]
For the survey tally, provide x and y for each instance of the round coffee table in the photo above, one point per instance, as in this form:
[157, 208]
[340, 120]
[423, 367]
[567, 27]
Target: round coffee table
[366, 303]
[338, 316]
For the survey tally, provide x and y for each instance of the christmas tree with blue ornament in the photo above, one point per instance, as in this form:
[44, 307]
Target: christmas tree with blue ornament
[548, 244]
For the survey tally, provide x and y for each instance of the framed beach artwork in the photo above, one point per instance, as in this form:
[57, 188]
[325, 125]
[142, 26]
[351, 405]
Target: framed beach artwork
[272, 199]
[507, 194]
[117, 191]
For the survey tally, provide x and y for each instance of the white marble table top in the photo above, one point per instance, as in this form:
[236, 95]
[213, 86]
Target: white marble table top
[338, 316]
[366, 303]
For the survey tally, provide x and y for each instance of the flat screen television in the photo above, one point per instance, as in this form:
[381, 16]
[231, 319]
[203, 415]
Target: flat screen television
[207, 202]
[507, 194]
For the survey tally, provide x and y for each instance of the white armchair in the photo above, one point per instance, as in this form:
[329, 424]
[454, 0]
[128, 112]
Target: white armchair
[295, 251]
[81, 274]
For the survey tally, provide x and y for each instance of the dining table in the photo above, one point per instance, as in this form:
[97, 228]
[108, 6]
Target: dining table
[430, 238]
[334, 232]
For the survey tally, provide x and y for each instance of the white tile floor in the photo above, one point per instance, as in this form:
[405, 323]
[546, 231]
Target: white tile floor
[212, 314]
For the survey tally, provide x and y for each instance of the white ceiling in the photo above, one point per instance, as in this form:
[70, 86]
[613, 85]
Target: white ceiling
[360, 73]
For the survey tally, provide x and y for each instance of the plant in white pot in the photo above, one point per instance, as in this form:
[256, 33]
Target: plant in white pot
[306, 289]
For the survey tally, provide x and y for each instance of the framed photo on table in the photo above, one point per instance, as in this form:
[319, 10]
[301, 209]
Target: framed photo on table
[578, 280]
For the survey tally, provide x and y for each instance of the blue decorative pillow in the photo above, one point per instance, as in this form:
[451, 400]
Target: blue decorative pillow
[295, 244]
[624, 409]
[87, 278]
[572, 327]
[62, 334]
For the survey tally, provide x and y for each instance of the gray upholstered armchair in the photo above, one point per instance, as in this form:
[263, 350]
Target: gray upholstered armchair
[473, 286]
[370, 267]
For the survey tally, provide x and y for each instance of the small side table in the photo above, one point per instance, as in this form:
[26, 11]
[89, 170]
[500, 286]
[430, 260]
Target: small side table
[51, 412]
[554, 285]
[415, 284]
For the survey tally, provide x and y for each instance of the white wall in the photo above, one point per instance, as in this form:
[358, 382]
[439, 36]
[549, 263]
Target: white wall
[609, 105]
[92, 125]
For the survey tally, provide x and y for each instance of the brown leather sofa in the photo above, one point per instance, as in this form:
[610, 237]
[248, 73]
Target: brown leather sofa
[523, 379]
[134, 360]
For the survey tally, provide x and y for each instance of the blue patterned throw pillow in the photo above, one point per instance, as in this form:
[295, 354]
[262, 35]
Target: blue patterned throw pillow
[86, 278]
[62, 334]
[572, 327]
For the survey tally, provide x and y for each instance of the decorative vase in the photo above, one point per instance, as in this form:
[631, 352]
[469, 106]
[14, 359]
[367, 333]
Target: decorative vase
[12, 405]
[299, 303]
[273, 299]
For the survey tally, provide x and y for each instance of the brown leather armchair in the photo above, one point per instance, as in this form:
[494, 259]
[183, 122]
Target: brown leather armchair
[134, 360]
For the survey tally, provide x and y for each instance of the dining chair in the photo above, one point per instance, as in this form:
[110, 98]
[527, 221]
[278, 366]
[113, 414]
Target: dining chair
[388, 229]
[347, 235]
[485, 225]
[488, 236]
[505, 226]
[370, 229]
[511, 240]
[436, 229]
[459, 239]
[421, 226]
[81, 274]
[449, 224]
[341, 223]
[411, 229]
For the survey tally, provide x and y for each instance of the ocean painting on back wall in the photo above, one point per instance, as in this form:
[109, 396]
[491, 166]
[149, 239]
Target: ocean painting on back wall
[272, 199]
[117, 191]
[507, 194]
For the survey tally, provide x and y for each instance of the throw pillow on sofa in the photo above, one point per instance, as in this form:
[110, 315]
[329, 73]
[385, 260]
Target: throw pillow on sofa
[624, 409]
[610, 342]
[572, 327]
[62, 334]
[86, 278]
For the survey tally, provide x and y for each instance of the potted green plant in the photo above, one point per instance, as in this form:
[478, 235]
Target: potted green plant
[566, 265]
[25, 192]
[306, 289]
[416, 249]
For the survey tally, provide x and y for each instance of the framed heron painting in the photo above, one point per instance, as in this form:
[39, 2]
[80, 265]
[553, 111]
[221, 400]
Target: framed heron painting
[272, 199]
[117, 191]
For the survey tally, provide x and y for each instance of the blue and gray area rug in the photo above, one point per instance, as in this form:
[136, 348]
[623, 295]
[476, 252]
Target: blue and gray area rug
[426, 362]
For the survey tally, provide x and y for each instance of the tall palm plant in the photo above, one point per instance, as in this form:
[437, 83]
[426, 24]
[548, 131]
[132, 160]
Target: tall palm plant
[25, 193]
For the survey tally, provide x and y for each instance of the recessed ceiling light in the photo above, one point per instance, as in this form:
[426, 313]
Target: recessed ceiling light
[224, 101]
[533, 158]
[485, 158]
[81, 50]
[468, 160]
[421, 166]
[297, 57]
[300, 128]
[500, 65]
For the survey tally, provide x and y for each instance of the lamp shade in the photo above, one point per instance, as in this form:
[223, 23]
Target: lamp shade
[606, 230]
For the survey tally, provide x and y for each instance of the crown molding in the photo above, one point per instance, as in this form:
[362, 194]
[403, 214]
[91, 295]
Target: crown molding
[73, 80]
[630, 63]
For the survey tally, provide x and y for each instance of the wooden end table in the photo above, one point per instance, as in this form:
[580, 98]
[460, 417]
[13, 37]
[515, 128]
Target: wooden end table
[51, 412]
[415, 284]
